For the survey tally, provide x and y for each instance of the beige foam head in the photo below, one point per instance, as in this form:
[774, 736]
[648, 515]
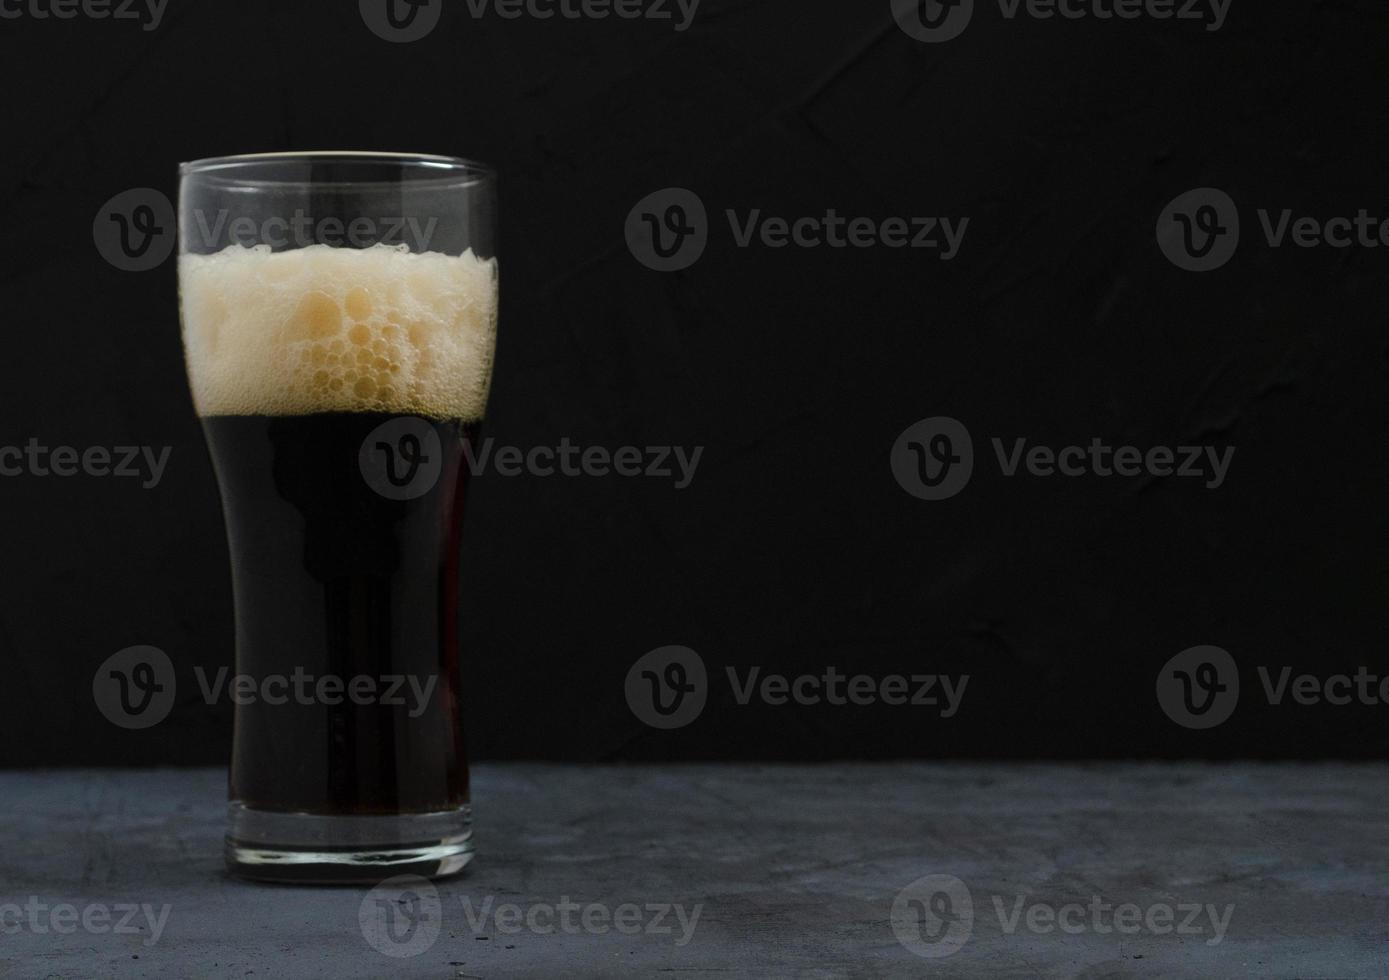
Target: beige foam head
[323, 329]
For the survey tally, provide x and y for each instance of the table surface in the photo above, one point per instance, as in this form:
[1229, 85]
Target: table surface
[881, 870]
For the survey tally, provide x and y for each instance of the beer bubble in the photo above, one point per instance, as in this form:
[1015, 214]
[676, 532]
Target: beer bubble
[323, 329]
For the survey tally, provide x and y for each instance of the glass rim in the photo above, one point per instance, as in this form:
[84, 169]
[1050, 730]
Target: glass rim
[241, 168]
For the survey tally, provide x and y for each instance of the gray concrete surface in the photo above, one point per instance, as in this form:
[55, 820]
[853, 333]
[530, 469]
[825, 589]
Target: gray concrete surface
[777, 871]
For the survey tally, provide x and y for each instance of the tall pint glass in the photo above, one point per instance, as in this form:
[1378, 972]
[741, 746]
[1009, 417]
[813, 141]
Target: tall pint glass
[339, 317]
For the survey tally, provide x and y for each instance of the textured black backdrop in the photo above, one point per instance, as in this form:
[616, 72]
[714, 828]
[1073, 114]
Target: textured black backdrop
[797, 369]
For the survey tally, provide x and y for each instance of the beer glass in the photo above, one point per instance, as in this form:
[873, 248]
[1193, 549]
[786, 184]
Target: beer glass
[339, 320]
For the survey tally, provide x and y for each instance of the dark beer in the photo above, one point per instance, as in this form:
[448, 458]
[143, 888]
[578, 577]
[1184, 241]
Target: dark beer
[335, 579]
[340, 390]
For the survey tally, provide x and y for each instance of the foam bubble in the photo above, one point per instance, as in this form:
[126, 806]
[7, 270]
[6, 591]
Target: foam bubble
[323, 329]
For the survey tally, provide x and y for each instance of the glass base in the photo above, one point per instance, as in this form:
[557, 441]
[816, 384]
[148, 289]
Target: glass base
[326, 849]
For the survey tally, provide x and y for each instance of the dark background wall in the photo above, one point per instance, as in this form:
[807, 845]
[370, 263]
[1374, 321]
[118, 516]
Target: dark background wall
[797, 369]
